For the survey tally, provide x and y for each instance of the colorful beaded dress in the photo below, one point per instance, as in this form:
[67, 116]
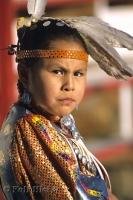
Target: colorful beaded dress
[43, 160]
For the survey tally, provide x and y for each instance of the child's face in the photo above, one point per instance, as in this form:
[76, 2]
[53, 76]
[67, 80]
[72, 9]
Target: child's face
[58, 86]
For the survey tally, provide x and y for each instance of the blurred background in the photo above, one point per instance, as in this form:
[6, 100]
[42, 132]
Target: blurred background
[105, 117]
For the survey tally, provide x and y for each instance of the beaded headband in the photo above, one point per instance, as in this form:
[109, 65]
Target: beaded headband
[71, 54]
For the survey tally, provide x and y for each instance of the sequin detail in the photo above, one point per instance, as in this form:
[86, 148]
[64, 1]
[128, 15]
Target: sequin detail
[39, 157]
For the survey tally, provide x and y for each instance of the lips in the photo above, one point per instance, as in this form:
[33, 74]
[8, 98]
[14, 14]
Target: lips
[67, 101]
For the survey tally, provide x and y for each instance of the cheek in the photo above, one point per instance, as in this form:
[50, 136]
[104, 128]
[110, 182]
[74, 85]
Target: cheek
[81, 90]
[36, 87]
[49, 91]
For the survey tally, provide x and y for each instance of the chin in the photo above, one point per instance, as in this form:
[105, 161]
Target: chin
[64, 112]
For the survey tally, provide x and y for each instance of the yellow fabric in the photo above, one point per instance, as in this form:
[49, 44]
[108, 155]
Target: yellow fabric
[41, 157]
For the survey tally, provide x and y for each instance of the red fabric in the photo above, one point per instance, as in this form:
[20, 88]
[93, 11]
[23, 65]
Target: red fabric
[7, 76]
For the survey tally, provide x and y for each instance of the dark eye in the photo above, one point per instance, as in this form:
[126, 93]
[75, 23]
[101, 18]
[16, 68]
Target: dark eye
[58, 72]
[79, 74]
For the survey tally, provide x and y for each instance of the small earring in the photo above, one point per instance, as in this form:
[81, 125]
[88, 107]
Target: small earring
[26, 98]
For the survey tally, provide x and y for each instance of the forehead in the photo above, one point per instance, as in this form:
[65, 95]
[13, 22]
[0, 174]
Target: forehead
[65, 63]
[66, 44]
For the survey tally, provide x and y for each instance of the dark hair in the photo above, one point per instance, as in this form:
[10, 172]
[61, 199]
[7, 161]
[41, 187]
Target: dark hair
[40, 35]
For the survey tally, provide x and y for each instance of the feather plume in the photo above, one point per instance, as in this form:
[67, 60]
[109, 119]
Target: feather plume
[36, 8]
[100, 38]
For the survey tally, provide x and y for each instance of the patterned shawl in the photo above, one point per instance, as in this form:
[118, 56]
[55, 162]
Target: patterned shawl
[42, 160]
[37, 162]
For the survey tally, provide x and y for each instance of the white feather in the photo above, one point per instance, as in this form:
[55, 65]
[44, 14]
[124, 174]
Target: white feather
[36, 8]
[100, 39]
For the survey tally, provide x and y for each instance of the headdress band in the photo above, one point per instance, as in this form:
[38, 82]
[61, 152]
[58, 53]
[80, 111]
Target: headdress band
[72, 54]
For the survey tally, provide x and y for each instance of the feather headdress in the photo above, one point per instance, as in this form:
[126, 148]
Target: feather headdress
[99, 37]
[36, 8]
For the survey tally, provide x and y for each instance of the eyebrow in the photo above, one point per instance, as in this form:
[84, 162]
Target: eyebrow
[62, 68]
[67, 70]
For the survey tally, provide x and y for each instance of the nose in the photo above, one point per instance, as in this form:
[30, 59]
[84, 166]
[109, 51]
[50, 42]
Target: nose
[69, 83]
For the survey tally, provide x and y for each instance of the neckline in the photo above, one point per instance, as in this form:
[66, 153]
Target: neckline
[40, 111]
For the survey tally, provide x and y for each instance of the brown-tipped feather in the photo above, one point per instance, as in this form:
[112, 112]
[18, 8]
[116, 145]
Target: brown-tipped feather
[100, 39]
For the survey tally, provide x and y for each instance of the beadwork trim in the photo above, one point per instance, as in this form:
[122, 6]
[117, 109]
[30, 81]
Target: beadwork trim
[38, 53]
[41, 138]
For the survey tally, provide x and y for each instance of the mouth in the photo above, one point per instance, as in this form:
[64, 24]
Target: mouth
[67, 101]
